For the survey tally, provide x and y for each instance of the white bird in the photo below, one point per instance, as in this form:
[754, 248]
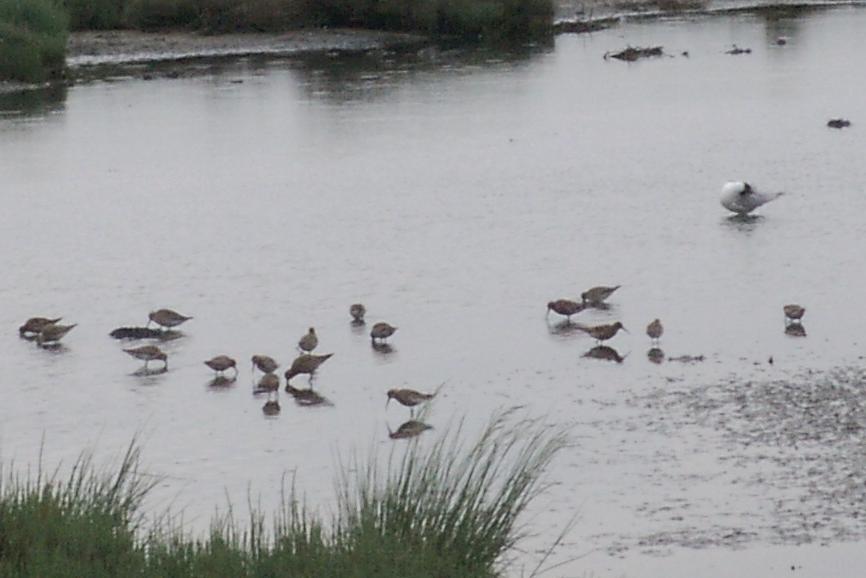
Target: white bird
[742, 198]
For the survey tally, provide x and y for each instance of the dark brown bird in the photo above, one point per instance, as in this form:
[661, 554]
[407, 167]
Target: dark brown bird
[838, 123]
[309, 341]
[603, 332]
[36, 324]
[794, 312]
[305, 363]
[382, 331]
[53, 333]
[167, 318]
[265, 363]
[408, 397]
[148, 353]
[357, 311]
[220, 363]
[597, 295]
[565, 307]
[655, 330]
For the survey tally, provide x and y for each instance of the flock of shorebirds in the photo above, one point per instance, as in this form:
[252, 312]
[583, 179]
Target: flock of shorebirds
[47, 332]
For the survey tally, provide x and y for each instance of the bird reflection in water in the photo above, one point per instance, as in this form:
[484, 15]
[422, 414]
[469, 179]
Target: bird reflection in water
[564, 328]
[383, 348]
[795, 330]
[222, 381]
[268, 383]
[656, 355]
[306, 397]
[409, 429]
[605, 352]
[271, 407]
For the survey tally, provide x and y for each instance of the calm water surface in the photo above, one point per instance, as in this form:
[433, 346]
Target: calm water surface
[455, 194]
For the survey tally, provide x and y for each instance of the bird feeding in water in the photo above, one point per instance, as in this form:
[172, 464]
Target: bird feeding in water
[381, 331]
[148, 353]
[166, 318]
[408, 397]
[793, 313]
[264, 363]
[221, 363]
[35, 325]
[53, 333]
[597, 295]
[565, 307]
[306, 363]
[742, 198]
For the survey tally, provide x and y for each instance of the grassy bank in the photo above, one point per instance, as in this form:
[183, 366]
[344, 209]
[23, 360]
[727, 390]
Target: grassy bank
[32, 39]
[448, 510]
[464, 18]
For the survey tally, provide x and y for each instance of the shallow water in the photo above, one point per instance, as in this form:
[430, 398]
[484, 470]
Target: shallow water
[455, 193]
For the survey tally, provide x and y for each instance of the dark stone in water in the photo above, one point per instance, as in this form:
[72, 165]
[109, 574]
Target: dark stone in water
[838, 123]
[138, 333]
[737, 50]
[583, 26]
[631, 53]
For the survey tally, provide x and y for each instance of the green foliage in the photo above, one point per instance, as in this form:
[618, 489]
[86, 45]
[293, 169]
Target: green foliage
[158, 14]
[95, 14]
[32, 39]
[443, 511]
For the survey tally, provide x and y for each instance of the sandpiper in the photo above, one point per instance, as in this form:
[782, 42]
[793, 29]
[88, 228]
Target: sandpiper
[565, 307]
[148, 353]
[220, 363]
[742, 198]
[357, 311]
[36, 324]
[794, 312]
[655, 330]
[167, 318]
[309, 341]
[603, 332]
[268, 382]
[305, 363]
[265, 363]
[597, 295]
[408, 397]
[382, 331]
[52, 333]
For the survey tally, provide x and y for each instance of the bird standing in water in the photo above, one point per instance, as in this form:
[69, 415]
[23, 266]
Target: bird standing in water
[357, 311]
[597, 295]
[221, 363]
[309, 341]
[264, 363]
[408, 397]
[603, 332]
[166, 318]
[655, 330]
[742, 198]
[148, 353]
[52, 333]
[565, 307]
[382, 331]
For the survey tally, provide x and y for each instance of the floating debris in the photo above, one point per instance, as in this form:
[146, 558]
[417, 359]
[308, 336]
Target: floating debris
[838, 123]
[142, 333]
[586, 25]
[632, 53]
[687, 358]
[737, 50]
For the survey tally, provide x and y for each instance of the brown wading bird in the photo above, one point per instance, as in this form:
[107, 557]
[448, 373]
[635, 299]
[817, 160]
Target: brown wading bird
[268, 382]
[655, 330]
[36, 324]
[264, 363]
[382, 331]
[357, 311]
[565, 307]
[597, 295]
[408, 397]
[53, 333]
[220, 363]
[166, 318]
[305, 363]
[603, 332]
[794, 312]
[309, 341]
[148, 353]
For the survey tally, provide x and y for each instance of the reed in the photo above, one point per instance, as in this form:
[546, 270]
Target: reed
[32, 40]
[448, 509]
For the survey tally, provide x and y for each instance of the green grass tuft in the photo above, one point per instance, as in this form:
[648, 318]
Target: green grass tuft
[449, 510]
[32, 40]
